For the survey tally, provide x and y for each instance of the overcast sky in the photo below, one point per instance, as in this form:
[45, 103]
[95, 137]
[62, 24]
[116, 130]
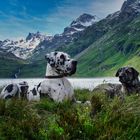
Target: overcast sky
[19, 17]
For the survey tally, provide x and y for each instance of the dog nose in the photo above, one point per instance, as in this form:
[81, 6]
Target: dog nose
[74, 62]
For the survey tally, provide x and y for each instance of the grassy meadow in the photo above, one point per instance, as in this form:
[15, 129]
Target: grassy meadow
[46, 120]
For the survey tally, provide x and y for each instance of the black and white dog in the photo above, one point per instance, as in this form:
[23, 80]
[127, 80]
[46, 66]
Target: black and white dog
[56, 86]
[33, 95]
[130, 84]
[15, 90]
[128, 76]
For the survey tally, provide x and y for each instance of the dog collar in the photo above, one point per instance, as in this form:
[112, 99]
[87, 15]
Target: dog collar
[54, 76]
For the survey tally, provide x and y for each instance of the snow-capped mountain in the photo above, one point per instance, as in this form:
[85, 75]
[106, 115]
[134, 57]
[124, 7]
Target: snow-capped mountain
[129, 10]
[72, 32]
[80, 24]
[130, 6]
[23, 48]
[36, 43]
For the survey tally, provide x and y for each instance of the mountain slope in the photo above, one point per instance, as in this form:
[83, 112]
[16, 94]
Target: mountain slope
[120, 46]
[9, 65]
[106, 45]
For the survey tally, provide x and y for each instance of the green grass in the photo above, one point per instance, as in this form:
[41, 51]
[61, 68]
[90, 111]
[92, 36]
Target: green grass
[46, 120]
[104, 57]
[119, 46]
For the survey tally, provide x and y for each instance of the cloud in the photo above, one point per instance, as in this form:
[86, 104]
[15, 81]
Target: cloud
[19, 22]
[99, 8]
[68, 11]
[102, 8]
[12, 26]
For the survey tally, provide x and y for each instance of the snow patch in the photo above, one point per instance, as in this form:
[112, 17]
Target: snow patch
[23, 48]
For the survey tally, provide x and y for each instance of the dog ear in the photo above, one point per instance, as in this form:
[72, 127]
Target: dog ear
[135, 72]
[118, 71]
[50, 60]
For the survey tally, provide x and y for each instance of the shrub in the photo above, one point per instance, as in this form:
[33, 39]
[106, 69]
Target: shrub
[18, 120]
[83, 95]
[117, 120]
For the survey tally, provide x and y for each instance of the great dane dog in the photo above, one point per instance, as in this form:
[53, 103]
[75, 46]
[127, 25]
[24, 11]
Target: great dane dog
[15, 90]
[130, 84]
[128, 76]
[56, 86]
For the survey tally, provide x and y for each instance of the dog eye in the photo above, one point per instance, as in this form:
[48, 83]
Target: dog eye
[128, 71]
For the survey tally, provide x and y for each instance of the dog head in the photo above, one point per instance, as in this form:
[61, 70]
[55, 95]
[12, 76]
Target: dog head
[23, 88]
[62, 63]
[127, 75]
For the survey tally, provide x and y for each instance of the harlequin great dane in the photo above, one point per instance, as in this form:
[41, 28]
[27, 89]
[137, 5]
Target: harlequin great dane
[15, 90]
[56, 86]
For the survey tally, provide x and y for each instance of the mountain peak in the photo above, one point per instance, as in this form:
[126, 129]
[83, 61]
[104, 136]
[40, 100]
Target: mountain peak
[85, 18]
[33, 35]
[82, 22]
[130, 6]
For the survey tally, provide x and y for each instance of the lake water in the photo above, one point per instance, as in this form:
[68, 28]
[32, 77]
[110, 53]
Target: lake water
[77, 83]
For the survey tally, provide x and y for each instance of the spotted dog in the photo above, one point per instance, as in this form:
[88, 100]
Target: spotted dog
[34, 95]
[130, 84]
[56, 86]
[15, 90]
[128, 76]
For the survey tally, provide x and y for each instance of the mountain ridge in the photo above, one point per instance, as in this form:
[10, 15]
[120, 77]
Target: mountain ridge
[70, 33]
[118, 47]
[35, 43]
[23, 48]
